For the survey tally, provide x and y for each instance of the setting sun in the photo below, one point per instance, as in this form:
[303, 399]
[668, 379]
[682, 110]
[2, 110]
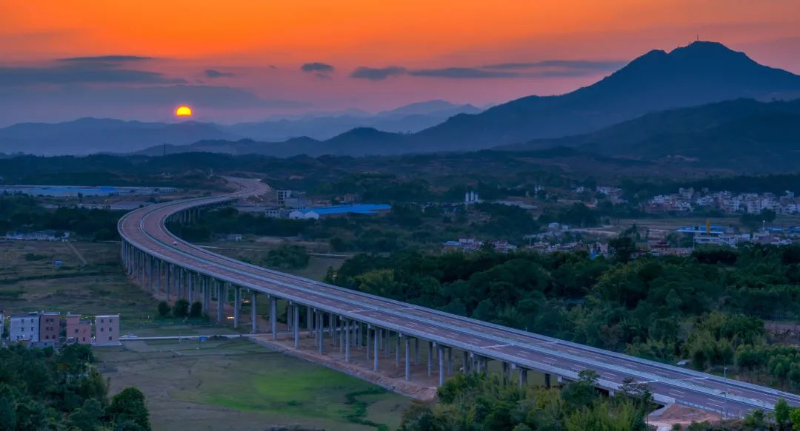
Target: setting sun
[183, 111]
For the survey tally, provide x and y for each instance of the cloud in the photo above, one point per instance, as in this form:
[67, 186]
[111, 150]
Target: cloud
[377, 73]
[317, 67]
[83, 70]
[463, 73]
[106, 59]
[561, 67]
[211, 73]
[537, 69]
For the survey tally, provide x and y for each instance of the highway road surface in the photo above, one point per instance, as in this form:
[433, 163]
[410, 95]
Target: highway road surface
[144, 229]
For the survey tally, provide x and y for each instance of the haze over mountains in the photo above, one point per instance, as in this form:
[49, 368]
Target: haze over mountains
[92, 135]
[405, 119]
[700, 73]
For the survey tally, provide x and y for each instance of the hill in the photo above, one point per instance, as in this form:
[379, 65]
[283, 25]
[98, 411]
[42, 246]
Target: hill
[405, 119]
[701, 73]
[740, 134]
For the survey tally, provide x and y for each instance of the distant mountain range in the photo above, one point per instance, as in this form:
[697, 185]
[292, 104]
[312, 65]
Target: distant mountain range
[740, 134]
[405, 119]
[701, 73]
[698, 74]
[92, 135]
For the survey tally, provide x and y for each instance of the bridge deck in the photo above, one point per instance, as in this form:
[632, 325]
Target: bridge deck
[145, 229]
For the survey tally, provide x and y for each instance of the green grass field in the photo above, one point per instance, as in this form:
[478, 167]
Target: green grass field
[244, 383]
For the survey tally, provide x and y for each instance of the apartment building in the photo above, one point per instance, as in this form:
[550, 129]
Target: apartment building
[49, 328]
[24, 327]
[106, 330]
[78, 331]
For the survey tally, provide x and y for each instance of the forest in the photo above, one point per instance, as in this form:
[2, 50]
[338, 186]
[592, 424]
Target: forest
[61, 390]
[708, 308]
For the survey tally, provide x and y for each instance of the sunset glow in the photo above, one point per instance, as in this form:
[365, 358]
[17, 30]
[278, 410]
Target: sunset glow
[292, 57]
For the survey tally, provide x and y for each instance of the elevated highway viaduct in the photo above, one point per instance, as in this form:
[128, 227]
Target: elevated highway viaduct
[351, 320]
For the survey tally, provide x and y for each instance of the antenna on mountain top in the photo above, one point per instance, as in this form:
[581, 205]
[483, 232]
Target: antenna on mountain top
[698, 37]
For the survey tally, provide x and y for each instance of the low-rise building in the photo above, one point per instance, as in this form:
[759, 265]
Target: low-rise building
[338, 211]
[24, 327]
[49, 328]
[78, 331]
[106, 330]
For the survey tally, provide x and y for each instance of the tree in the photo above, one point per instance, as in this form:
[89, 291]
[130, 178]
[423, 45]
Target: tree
[288, 257]
[8, 415]
[196, 310]
[129, 405]
[582, 393]
[181, 308]
[754, 221]
[623, 248]
[163, 309]
[782, 413]
[89, 416]
[795, 418]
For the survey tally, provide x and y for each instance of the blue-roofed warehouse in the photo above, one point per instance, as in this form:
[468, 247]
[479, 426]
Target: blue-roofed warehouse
[338, 211]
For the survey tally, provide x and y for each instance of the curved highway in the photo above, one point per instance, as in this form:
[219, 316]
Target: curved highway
[144, 231]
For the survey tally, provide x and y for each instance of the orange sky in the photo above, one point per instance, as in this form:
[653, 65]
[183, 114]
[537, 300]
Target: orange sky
[263, 43]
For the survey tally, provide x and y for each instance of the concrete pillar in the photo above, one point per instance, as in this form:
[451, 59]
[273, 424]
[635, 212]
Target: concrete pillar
[237, 305]
[416, 351]
[368, 340]
[440, 351]
[169, 280]
[397, 349]
[342, 330]
[332, 328]
[320, 331]
[464, 362]
[523, 377]
[376, 345]
[296, 325]
[206, 299]
[150, 273]
[309, 322]
[253, 313]
[408, 359]
[220, 302]
[547, 383]
[273, 316]
[159, 277]
[430, 358]
[347, 341]
[193, 280]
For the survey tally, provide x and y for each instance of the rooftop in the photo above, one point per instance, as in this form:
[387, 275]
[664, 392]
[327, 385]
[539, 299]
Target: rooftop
[348, 209]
